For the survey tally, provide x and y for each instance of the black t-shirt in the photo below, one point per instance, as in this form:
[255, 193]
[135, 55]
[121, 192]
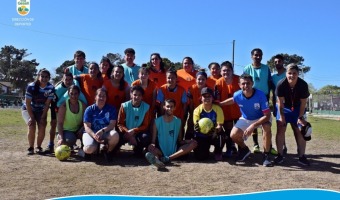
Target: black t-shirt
[292, 95]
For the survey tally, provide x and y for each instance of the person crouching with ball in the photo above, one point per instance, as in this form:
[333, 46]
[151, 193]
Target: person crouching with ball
[216, 135]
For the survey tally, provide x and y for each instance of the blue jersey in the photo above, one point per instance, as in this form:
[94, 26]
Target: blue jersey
[38, 98]
[261, 77]
[99, 118]
[252, 108]
[130, 73]
[167, 134]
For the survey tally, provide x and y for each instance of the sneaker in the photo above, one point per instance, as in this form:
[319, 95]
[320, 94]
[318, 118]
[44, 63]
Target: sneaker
[152, 159]
[30, 151]
[273, 151]
[266, 161]
[243, 154]
[165, 159]
[81, 153]
[218, 157]
[49, 149]
[278, 159]
[39, 150]
[303, 161]
[256, 149]
[228, 153]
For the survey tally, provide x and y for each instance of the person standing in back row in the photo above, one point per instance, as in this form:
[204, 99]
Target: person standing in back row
[292, 93]
[130, 68]
[261, 78]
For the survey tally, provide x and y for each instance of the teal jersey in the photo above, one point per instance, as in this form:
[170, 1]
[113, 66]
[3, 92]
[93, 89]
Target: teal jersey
[261, 77]
[130, 73]
[134, 115]
[167, 135]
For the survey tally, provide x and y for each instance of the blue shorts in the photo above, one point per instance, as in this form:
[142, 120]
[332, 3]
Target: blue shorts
[290, 116]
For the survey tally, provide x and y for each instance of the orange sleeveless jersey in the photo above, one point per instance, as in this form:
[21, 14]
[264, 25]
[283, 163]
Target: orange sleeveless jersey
[211, 81]
[231, 112]
[148, 92]
[186, 79]
[195, 95]
[89, 87]
[159, 78]
[115, 96]
[177, 96]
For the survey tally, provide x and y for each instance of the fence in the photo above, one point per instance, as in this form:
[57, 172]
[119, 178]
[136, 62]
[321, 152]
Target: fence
[328, 104]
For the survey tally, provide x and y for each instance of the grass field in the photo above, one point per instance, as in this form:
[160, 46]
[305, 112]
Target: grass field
[41, 177]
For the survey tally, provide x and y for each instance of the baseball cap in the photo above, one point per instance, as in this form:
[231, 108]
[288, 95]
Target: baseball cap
[207, 90]
[306, 131]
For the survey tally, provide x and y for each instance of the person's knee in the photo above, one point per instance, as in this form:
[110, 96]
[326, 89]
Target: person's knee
[90, 149]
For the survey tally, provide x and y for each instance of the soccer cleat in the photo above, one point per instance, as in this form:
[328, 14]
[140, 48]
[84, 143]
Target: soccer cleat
[303, 161]
[30, 151]
[278, 159]
[243, 154]
[165, 159]
[39, 150]
[273, 151]
[256, 149]
[152, 159]
[49, 149]
[267, 163]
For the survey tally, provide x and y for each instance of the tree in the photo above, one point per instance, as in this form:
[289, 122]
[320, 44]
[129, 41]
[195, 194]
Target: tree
[16, 68]
[177, 65]
[329, 89]
[290, 59]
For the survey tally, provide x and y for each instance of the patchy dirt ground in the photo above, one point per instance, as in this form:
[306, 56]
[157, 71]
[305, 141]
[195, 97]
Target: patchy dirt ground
[41, 177]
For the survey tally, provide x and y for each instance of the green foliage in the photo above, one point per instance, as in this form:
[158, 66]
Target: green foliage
[60, 70]
[329, 89]
[289, 59]
[16, 68]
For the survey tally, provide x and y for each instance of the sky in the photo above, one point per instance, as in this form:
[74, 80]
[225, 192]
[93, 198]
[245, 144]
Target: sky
[204, 30]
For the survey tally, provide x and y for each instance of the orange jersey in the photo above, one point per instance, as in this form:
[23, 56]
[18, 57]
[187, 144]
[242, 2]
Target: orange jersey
[186, 79]
[179, 96]
[148, 96]
[89, 86]
[115, 97]
[159, 78]
[225, 91]
[211, 81]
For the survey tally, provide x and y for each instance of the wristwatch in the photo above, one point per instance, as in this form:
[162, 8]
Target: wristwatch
[301, 118]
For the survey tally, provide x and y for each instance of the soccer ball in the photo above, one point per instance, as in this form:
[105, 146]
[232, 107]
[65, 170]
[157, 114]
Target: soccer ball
[205, 125]
[62, 152]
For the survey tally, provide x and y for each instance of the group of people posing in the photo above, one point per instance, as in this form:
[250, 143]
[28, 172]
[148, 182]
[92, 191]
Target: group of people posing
[157, 111]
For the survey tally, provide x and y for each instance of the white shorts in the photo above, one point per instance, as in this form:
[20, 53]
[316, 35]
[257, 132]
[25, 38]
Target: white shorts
[243, 124]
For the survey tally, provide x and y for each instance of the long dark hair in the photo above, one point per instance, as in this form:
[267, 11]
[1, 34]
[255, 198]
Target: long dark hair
[37, 81]
[121, 81]
[109, 71]
[161, 65]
